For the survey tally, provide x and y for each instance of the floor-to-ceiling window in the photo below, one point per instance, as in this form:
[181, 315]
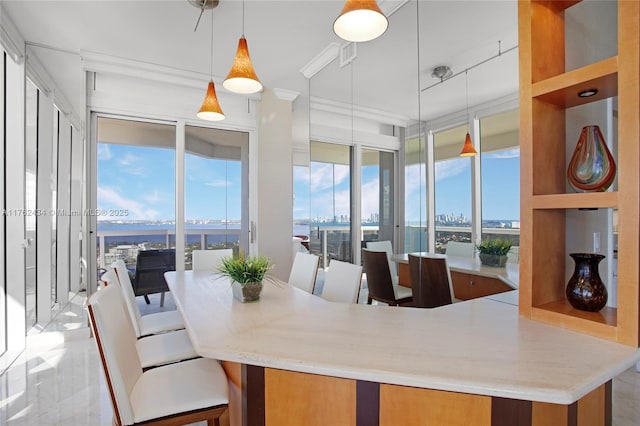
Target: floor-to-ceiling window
[377, 195]
[216, 190]
[330, 201]
[453, 187]
[136, 188]
[415, 184]
[500, 177]
[31, 149]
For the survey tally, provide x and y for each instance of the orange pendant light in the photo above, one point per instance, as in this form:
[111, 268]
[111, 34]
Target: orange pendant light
[467, 149]
[210, 109]
[360, 20]
[242, 78]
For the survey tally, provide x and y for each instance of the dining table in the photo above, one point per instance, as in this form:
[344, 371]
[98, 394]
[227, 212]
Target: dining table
[293, 358]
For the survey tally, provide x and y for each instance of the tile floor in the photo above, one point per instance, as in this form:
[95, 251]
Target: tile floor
[58, 380]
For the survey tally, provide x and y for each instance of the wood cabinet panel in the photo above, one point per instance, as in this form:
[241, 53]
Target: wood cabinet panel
[470, 286]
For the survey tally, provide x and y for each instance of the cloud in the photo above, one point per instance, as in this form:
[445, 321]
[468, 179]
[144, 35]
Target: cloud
[510, 153]
[156, 197]
[110, 198]
[450, 168]
[219, 183]
[104, 152]
[301, 174]
[370, 198]
[325, 175]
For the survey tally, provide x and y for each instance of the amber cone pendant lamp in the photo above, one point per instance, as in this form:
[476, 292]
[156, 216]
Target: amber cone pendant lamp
[242, 78]
[360, 20]
[210, 109]
[467, 149]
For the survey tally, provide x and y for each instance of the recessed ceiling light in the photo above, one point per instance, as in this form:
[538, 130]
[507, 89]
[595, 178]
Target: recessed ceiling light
[588, 93]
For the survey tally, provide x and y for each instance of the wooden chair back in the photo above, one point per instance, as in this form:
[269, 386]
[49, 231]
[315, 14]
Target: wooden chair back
[430, 281]
[376, 268]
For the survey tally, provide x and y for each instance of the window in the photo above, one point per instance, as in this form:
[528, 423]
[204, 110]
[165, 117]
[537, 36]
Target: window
[453, 215]
[136, 188]
[215, 187]
[500, 159]
[330, 192]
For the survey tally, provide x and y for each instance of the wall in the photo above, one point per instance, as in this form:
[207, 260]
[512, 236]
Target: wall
[275, 183]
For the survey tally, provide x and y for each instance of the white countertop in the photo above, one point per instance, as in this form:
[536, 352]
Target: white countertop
[480, 346]
[510, 274]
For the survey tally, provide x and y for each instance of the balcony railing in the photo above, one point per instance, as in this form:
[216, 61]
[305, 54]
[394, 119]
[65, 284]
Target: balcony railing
[161, 238]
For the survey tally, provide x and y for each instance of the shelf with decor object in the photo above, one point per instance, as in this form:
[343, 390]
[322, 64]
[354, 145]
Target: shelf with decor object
[547, 92]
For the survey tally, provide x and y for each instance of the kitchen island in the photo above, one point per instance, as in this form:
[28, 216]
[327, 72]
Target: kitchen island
[293, 358]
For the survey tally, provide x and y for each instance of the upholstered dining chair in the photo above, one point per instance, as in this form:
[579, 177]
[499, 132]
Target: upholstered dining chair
[145, 325]
[430, 281]
[156, 349]
[208, 260]
[381, 287]
[385, 246]
[173, 394]
[456, 248]
[342, 282]
[304, 271]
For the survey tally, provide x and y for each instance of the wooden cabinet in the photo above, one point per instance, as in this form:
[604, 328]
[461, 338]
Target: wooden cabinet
[471, 286]
[547, 91]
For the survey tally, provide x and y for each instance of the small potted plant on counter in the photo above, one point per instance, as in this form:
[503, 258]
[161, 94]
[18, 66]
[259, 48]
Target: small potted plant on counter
[246, 274]
[493, 252]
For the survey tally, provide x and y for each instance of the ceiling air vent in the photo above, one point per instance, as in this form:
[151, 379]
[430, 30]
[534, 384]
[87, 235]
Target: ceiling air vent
[347, 53]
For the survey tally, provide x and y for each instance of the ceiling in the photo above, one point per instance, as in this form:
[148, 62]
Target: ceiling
[284, 37]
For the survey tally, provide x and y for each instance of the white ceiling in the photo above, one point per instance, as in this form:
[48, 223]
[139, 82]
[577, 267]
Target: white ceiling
[283, 37]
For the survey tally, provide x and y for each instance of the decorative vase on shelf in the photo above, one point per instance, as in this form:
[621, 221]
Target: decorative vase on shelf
[585, 289]
[247, 292]
[592, 167]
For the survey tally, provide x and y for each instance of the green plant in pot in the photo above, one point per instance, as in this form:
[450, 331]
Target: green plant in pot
[246, 274]
[493, 252]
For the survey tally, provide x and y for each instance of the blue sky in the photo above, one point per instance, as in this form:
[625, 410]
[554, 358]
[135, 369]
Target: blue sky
[141, 180]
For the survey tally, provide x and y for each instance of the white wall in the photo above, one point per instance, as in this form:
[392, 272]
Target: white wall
[275, 185]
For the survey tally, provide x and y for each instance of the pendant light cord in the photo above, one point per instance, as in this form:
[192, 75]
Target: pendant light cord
[211, 66]
[242, 18]
[466, 79]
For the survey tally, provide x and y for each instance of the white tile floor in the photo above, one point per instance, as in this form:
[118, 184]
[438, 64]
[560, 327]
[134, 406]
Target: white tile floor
[58, 380]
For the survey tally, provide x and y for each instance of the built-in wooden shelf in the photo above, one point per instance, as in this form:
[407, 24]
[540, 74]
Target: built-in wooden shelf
[562, 90]
[560, 5]
[592, 200]
[560, 313]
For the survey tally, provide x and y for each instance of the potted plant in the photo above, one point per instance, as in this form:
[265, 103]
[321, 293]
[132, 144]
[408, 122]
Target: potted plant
[246, 274]
[493, 252]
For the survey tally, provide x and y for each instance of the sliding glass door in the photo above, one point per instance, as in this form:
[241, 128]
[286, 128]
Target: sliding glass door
[330, 201]
[136, 188]
[216, 190]
[137, 197]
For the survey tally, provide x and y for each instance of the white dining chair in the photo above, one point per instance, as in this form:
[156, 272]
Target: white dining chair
[156, 349]
[179, 393]
[385, 245]
[456, 248]
[342, 282]
[208, 260]
[145, 325]
[304, 271]
[514, 255]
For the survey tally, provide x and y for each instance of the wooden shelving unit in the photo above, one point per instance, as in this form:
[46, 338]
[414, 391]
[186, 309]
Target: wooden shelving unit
[547, 90]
